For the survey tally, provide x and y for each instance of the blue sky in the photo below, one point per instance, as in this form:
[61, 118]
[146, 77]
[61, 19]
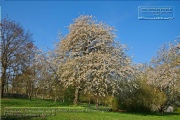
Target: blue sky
[144, 37]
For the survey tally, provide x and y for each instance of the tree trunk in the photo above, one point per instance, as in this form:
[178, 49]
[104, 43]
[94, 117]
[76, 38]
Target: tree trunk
[2, 90]
[161, 110]
[3, 79]
[36, 92]
[97, 102]
[55, 97]
[30, 95]
[89, 103]
[76, 96]
[43, 93]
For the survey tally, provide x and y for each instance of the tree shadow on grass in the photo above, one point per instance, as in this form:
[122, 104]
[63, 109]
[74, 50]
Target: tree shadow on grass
[152, 114]
[22, 118]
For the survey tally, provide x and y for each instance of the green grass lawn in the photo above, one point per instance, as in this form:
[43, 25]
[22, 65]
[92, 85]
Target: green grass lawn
[94, 115]
[112, 116]
[10, 102]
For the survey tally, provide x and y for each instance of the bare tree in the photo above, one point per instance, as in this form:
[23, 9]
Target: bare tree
[46, 70]
[14, 41]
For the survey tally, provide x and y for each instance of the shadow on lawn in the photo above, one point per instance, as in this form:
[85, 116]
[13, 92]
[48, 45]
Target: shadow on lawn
[152, 114]
[23, 118]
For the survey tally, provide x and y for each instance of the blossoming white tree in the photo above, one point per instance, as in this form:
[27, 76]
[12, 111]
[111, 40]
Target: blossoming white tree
[165, 73]
[91, 59]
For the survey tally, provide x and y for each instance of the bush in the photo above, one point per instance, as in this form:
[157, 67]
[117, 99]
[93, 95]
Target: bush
[108, 100]
[115, 104]
[69, 95]
[143, 99]
[177, 110]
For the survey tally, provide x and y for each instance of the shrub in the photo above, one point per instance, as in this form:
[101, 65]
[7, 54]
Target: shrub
[69, 95]
[115, 104]
[145, 98]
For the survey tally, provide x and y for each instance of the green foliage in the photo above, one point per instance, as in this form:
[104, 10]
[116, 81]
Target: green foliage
[108, 100]
[115, 104]
[158, 100]
[69, 95]
[145, 98]
[177, 110]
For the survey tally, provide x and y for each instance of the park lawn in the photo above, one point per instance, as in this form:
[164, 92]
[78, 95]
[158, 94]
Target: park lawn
[12, 102]
[94, 115]
[113, 116]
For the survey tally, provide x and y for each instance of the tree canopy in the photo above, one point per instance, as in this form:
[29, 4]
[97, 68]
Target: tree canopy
[92, 60]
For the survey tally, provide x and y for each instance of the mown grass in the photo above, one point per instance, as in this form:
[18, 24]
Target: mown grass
[12, 102]
[96, 115]
[113, 116]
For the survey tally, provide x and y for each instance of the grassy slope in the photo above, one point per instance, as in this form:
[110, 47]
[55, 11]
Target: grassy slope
[83, 116]
[6, 102]
[112, 116]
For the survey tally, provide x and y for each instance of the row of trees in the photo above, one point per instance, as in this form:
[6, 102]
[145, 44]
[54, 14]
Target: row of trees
[88, 62]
